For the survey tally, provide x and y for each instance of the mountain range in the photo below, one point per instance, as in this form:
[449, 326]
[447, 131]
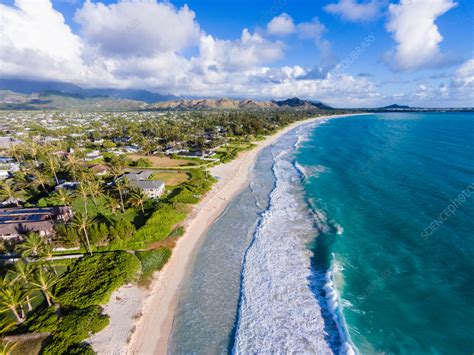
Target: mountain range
[34, 95]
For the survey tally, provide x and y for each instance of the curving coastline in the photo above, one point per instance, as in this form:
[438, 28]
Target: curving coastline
[154, 327]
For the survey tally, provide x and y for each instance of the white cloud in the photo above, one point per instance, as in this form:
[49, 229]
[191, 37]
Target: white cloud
[315, 30]
[352, 10]
[412, 23]
[464, 76]
[35, 42]
[140, 44]
[250, 51]
[137, 27]
[281, 25]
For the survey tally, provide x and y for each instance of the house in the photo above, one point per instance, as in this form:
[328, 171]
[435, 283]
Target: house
[17, 221]
[67, 185]
[151, 188]
[99, 169]
[136, 176]
[93, 155]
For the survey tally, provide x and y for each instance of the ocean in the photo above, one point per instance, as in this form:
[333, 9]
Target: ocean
[354, 236]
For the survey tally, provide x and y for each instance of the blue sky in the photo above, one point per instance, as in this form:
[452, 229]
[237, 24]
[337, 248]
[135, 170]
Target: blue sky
[419, 52]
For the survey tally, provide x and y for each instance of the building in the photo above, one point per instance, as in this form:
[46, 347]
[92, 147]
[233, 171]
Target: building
[99, 169]
[138, 176]
[17, 221]
[151, 188]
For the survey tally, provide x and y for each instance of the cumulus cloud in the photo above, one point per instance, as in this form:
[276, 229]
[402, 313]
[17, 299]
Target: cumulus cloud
[464, 76]
[412, 23]
[281, 25]
[35, 42]
[142, 44]
[352, 10]
[137, 27]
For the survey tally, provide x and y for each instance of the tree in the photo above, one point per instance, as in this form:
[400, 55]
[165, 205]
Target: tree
[112, 205]
[40, 179]
[12, 297]
[137, 199]
[81, 221]
[23, 272]
[32, 246]
[9, 193]
[120, 186]
[52, 163]
[63, 196]
[72, 165]
[44, 282]
[95, 190]
[83, 191]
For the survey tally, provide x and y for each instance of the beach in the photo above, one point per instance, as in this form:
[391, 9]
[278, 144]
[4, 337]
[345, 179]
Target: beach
[152, 329]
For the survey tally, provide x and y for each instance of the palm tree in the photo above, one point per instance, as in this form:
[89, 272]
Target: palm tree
[63, 196]
[112, 204]
[83, 191]
[44, 282]
[9, 193]
[137, 199]
[81, 221]
[52, 163]
[72, 165]
[95, 190]
[23, 273]
[12, 297]
[120, 186]
[41, 179]
[32, 246]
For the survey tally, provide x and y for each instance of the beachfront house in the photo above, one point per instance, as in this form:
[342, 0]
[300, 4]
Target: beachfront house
[151, 188]
[16, 222]
[140, 180]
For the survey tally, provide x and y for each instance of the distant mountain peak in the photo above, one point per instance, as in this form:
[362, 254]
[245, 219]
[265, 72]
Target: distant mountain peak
[297, 102]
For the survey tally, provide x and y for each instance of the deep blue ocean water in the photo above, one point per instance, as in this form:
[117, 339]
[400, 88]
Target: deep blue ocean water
[355, 235]
[403, 267]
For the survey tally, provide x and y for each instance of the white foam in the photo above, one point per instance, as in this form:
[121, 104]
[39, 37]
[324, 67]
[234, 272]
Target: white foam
[278, 311]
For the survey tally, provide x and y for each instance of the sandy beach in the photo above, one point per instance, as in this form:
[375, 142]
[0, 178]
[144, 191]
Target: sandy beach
[152, 330]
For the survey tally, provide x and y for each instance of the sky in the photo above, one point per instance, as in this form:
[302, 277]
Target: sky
[347, 53]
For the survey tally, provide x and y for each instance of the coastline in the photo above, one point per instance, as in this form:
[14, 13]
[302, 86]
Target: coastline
[153, 329]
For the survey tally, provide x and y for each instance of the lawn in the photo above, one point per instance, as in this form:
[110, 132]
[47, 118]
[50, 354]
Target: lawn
[162, 162]
[171, 178]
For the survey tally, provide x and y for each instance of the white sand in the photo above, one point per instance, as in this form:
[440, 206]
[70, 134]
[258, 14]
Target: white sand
[152, 329]
[124, 309]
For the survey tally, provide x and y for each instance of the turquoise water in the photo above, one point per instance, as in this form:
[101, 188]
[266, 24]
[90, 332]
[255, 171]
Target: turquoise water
[402, 267]
[355, 235]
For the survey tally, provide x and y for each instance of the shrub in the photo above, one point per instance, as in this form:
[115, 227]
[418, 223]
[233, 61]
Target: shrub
[153, 260]
[142, 163]
[158, 226]
[92, 279]
[43, 320]
[68, 330]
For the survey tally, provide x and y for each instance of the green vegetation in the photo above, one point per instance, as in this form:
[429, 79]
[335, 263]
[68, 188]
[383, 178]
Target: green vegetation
[92, 279]
[158, 226]
[153, 260]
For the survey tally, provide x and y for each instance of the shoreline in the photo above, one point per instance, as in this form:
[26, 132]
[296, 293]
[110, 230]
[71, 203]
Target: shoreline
[152, 330]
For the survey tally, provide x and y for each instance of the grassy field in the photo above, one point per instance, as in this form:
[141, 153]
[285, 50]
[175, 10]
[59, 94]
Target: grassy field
[162, 162]
[171, 178]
